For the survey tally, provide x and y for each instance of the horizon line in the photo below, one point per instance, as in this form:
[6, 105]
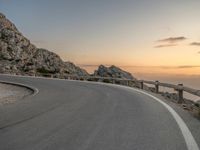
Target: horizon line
[144, 66]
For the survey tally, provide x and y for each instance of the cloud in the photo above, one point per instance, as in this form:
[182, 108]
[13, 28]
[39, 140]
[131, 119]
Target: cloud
[179, 67]
[165, 45]
[195, 44]
[188, 67]
[173, 39]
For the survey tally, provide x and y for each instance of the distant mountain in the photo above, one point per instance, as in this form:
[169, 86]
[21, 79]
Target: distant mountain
[19, 56]
[112, 71]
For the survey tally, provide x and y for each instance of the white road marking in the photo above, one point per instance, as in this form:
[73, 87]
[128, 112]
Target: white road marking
[188, 137]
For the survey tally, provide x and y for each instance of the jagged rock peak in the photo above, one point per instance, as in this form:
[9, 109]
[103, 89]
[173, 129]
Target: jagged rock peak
[5, 23]
[112, 71]
[2, 15]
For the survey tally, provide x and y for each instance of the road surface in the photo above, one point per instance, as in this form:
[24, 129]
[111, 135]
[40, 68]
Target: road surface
[72, 115]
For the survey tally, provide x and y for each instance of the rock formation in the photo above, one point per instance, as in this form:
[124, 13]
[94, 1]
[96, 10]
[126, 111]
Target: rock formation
[112, 71]
[19, 56]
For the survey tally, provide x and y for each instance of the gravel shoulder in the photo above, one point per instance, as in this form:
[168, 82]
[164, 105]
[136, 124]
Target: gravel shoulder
[11, 93]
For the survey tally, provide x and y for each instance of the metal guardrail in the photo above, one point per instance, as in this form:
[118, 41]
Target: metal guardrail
[140, 84]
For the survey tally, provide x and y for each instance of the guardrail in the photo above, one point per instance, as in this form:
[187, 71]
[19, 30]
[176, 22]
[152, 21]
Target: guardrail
[180, 88]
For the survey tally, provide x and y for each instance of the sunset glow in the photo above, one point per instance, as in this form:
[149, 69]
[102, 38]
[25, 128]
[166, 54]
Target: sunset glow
[154, 36]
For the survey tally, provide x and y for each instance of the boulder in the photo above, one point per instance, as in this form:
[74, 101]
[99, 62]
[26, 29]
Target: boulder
[196, 108]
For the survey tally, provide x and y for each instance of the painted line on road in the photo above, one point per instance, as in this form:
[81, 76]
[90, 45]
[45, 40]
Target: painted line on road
[188, 137]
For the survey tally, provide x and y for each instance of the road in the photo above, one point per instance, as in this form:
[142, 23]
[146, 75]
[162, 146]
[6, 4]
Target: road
[72, 115]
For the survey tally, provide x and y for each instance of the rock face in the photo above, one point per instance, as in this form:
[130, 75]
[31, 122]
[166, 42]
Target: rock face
[19, 56]
[112, 71]
[73, 69]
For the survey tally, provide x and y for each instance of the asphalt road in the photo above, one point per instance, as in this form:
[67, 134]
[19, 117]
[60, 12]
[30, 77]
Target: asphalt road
[70, 115]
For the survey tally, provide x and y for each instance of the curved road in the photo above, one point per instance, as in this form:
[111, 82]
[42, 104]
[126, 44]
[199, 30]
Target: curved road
[71, 115]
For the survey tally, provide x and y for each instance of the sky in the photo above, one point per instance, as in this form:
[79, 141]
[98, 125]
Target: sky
[146, 33]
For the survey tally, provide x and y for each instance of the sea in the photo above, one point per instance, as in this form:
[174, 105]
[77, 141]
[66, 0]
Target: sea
[187, 75]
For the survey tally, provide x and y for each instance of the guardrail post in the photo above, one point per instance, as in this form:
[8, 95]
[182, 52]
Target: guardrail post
[180, 93]
[113, 81]
[141, 84]
[157, 86]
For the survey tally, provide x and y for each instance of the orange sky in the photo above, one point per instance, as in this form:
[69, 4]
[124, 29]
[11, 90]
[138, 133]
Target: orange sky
[124, 33]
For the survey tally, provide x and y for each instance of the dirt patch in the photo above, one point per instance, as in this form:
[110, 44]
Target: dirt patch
[11, 93]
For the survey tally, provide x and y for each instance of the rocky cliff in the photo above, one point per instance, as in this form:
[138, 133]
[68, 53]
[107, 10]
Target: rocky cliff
[112, 71]
[19, 56]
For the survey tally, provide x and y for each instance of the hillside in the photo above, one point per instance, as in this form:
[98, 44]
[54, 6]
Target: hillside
[19, 56]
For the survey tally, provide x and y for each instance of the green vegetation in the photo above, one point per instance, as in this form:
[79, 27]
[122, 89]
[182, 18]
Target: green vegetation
[44, 71]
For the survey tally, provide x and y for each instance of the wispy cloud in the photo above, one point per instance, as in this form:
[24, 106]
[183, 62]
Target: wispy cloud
[188, 67]
[195, 44]
[164, 45]
[169, 42]
[173, 39]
